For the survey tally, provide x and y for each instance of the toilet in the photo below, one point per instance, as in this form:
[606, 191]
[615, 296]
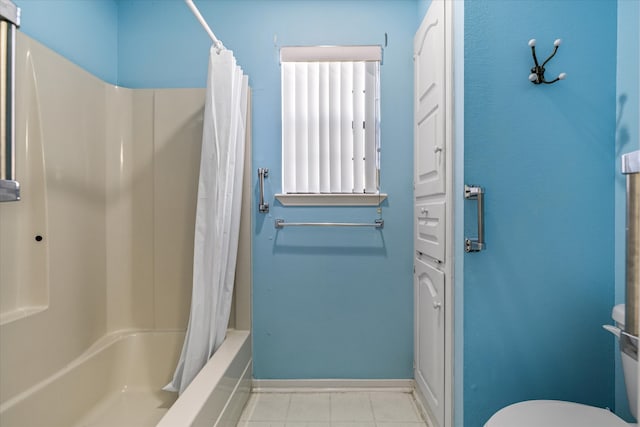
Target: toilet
[555, 413]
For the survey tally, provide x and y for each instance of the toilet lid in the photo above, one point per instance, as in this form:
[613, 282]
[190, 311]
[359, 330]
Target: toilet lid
[553, 413]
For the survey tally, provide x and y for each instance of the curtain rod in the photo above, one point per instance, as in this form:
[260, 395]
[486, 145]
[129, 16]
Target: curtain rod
[217, 43]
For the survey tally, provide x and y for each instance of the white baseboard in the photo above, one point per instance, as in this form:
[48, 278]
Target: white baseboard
[422, 407]
[331, 385]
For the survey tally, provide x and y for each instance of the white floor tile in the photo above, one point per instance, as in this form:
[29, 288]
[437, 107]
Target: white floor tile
[267, 407]
[401, 425]
[352, 424]
[306, 424]
[260, 424]
[249, 407]
[338, 409]
[394, 407]
[351, 407]
[309, 407]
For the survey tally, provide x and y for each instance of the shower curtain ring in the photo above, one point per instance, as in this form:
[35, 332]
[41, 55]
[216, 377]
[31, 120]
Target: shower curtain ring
[219, 46]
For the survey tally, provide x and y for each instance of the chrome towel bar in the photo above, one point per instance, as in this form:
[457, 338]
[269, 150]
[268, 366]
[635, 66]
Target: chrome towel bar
[378, 223]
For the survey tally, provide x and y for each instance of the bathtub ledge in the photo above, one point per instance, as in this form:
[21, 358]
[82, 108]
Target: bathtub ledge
[203, 401]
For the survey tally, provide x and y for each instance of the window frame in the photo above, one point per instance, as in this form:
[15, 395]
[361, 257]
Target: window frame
[371, 170]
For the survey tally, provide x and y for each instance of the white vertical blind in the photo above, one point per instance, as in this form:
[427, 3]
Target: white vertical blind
[358, 126]
[324, 128]
[301, 126]
[330, 126]
[372, 130]
[346, 127]
[335, 114]
[288, 131]
[313, 152]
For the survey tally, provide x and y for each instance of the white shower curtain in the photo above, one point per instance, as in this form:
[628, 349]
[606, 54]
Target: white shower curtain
[217, 216]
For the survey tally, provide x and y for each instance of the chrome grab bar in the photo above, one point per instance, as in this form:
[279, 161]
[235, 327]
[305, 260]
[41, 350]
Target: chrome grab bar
[470, 244]
[262, 174]
[631, 168]
[9, 20]
[378, 223]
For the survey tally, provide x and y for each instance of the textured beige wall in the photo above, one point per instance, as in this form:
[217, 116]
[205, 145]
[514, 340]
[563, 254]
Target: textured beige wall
[114, 197]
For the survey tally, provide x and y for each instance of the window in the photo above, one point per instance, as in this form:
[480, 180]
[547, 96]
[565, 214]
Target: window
[330, 119]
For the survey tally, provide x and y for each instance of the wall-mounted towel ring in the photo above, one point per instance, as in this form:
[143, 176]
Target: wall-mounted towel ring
[537, 72]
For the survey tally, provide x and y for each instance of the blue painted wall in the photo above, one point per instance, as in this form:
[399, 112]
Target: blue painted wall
[85, 32]
[330, 303]
[535, 300]
[337, 303]
[627, 135]
[161, 45]
[423, 6]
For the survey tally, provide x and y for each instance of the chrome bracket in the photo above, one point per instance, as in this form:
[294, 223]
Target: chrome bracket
[9, 190]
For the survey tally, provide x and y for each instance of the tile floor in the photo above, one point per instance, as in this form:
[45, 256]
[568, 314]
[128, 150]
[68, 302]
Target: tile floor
[336, 409]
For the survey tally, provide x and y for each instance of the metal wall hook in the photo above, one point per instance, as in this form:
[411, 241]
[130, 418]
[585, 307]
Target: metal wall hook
[537, 72]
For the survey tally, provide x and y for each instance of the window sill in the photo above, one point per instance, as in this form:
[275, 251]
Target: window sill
[331, 199]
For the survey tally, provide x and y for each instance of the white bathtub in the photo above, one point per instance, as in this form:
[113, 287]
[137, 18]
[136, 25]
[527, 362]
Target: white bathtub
[118, 381]
[216, 397]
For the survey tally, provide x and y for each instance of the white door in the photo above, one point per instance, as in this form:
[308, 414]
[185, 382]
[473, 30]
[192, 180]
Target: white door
[432, 176]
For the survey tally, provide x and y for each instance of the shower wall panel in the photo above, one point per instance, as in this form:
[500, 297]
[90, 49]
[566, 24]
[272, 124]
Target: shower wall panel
[61, 135]
[177, 141]
[152, 177]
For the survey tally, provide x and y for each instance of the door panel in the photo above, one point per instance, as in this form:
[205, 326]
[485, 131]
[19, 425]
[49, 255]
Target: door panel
[429, 104]
[429, 286]
[429, 155]
[430, 229]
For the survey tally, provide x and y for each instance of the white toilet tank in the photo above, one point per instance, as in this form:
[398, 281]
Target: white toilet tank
[629, 363]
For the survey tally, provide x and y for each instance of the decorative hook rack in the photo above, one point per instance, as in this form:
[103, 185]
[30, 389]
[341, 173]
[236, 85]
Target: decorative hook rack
[537, 72]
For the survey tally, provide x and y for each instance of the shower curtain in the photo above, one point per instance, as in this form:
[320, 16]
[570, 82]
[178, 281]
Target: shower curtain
[217, 215]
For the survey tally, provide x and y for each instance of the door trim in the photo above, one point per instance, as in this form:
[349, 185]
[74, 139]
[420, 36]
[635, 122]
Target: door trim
[451, 195]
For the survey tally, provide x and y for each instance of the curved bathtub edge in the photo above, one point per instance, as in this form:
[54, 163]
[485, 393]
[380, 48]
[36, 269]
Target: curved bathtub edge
[93, 351]
[218, 393]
